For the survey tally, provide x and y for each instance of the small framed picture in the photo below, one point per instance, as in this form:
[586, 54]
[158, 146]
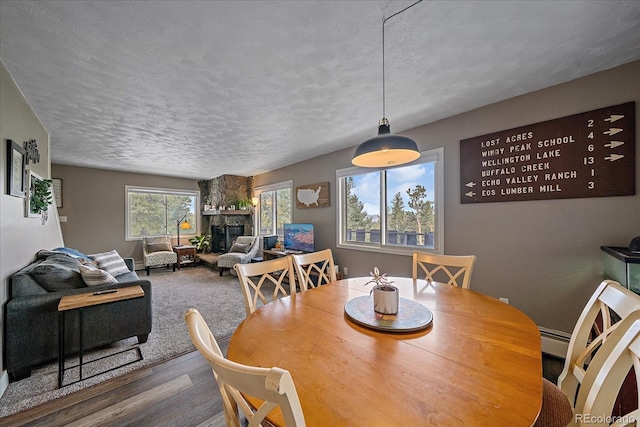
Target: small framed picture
[16, 176]
[56, 183]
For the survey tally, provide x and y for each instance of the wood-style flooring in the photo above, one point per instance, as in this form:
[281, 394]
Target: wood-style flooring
[178, 392]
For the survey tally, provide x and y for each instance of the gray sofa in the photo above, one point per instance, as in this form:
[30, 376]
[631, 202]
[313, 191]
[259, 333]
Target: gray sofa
[31, 313]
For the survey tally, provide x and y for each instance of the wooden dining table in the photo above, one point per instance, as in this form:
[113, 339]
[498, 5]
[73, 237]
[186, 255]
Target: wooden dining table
[477, 364]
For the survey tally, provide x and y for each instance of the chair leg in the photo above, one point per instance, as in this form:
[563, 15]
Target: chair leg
[174, 268]
[221, 270]
[148, 269]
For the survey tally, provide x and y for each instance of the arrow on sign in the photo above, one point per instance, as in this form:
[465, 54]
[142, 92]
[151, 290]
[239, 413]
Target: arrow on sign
[470, 184]
[614, 157]
[613, 118]
[470, 194]
[613, 131]
[614, 144]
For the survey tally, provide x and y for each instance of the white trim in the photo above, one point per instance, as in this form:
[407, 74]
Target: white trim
[271, 187]
[555, 343]
[129, 189]
[257, 191]
[435, 156]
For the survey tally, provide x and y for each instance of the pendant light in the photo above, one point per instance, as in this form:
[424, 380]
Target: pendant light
[386, 149]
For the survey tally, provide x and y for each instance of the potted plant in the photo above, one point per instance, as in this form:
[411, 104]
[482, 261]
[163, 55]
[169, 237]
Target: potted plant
[201, 242]
[386, 297]
[41, 197]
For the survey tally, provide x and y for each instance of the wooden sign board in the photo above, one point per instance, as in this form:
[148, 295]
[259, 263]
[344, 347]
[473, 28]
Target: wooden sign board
[590, 154]
[312, 196]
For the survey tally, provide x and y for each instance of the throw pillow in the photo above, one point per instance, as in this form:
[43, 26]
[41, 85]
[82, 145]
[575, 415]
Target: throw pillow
[95, 276]
[58, 273]
[159, 247]
[111, 262]
[240, 247]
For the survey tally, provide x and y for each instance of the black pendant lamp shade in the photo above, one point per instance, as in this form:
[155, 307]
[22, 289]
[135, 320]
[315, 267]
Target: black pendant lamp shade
[386, 149]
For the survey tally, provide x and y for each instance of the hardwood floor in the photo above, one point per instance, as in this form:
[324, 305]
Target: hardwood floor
[178, 392]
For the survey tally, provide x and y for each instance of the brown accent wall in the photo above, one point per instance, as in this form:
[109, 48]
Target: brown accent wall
[94, 206]
[544, 256]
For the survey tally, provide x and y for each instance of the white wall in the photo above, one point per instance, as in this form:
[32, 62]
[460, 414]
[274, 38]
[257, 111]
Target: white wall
[20, 237]
[544, 256]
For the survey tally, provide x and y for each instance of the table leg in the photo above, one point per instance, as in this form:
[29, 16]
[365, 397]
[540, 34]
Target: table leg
[61, 349]
[81, 340]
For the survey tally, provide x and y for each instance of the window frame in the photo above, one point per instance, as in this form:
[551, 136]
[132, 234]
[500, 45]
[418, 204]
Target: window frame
[435, 156]
[165, 192]
[283, 185]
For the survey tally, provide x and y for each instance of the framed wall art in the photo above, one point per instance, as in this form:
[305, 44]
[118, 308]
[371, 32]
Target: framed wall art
[16, 176]
[56, 183]
[312, 196]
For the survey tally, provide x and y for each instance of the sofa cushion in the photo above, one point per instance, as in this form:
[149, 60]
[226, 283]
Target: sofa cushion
[58, 273]
[240, 247]
[94, 276]
[159, 247]
[111, 262]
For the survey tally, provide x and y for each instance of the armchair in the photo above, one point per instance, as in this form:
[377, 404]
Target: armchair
[242, 251]
[157, 251]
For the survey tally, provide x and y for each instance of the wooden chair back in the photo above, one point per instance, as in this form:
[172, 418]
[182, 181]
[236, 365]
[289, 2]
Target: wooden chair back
[609, 305]
[265, 281]
[314, 269]
[454, 269]
[273, 386]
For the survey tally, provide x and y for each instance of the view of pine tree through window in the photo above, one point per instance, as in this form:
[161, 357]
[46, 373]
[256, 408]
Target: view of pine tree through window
[275, 208]
[393, 207]
[153, 212]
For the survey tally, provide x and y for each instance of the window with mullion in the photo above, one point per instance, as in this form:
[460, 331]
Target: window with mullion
[392, 210]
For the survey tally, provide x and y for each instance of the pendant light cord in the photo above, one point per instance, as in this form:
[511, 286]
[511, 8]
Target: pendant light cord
[384, 20]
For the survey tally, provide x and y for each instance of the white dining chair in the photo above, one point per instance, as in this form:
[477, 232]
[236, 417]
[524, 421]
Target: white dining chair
[451, 269]
[610, 302]
[265, 281]
[609, 306]
[605, 377]
[273, 386]
[314, 269]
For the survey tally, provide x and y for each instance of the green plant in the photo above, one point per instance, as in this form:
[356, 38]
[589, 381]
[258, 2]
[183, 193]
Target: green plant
[381, 280]
[243, 203]
[41, 197]
[201, 242]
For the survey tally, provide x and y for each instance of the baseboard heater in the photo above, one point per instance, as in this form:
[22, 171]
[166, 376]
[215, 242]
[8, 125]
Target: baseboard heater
[554, 342]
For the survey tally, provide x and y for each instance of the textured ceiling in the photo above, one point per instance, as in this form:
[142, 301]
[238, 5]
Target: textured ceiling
[199, 89]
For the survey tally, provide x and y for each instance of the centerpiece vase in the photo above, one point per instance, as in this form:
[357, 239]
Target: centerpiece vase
[386, 299]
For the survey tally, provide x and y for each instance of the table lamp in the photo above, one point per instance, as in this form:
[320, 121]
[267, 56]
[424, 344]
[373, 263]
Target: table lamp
[184, 224]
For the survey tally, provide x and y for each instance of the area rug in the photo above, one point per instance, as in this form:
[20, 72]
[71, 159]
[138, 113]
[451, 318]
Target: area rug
[219, 299]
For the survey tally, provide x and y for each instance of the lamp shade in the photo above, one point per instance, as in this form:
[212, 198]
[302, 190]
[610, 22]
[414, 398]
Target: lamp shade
[185, 225]
[385, 149]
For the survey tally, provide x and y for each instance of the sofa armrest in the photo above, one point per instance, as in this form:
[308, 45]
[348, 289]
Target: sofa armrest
[130, 263]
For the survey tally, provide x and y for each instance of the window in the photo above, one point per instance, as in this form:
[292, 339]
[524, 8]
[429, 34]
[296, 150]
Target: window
[274, 208]
[156, 211]
[396, 210]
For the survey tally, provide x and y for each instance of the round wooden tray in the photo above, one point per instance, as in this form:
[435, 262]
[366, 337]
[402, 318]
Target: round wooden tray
[411, 316]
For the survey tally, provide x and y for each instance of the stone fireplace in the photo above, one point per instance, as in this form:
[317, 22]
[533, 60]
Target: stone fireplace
[222, 194]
